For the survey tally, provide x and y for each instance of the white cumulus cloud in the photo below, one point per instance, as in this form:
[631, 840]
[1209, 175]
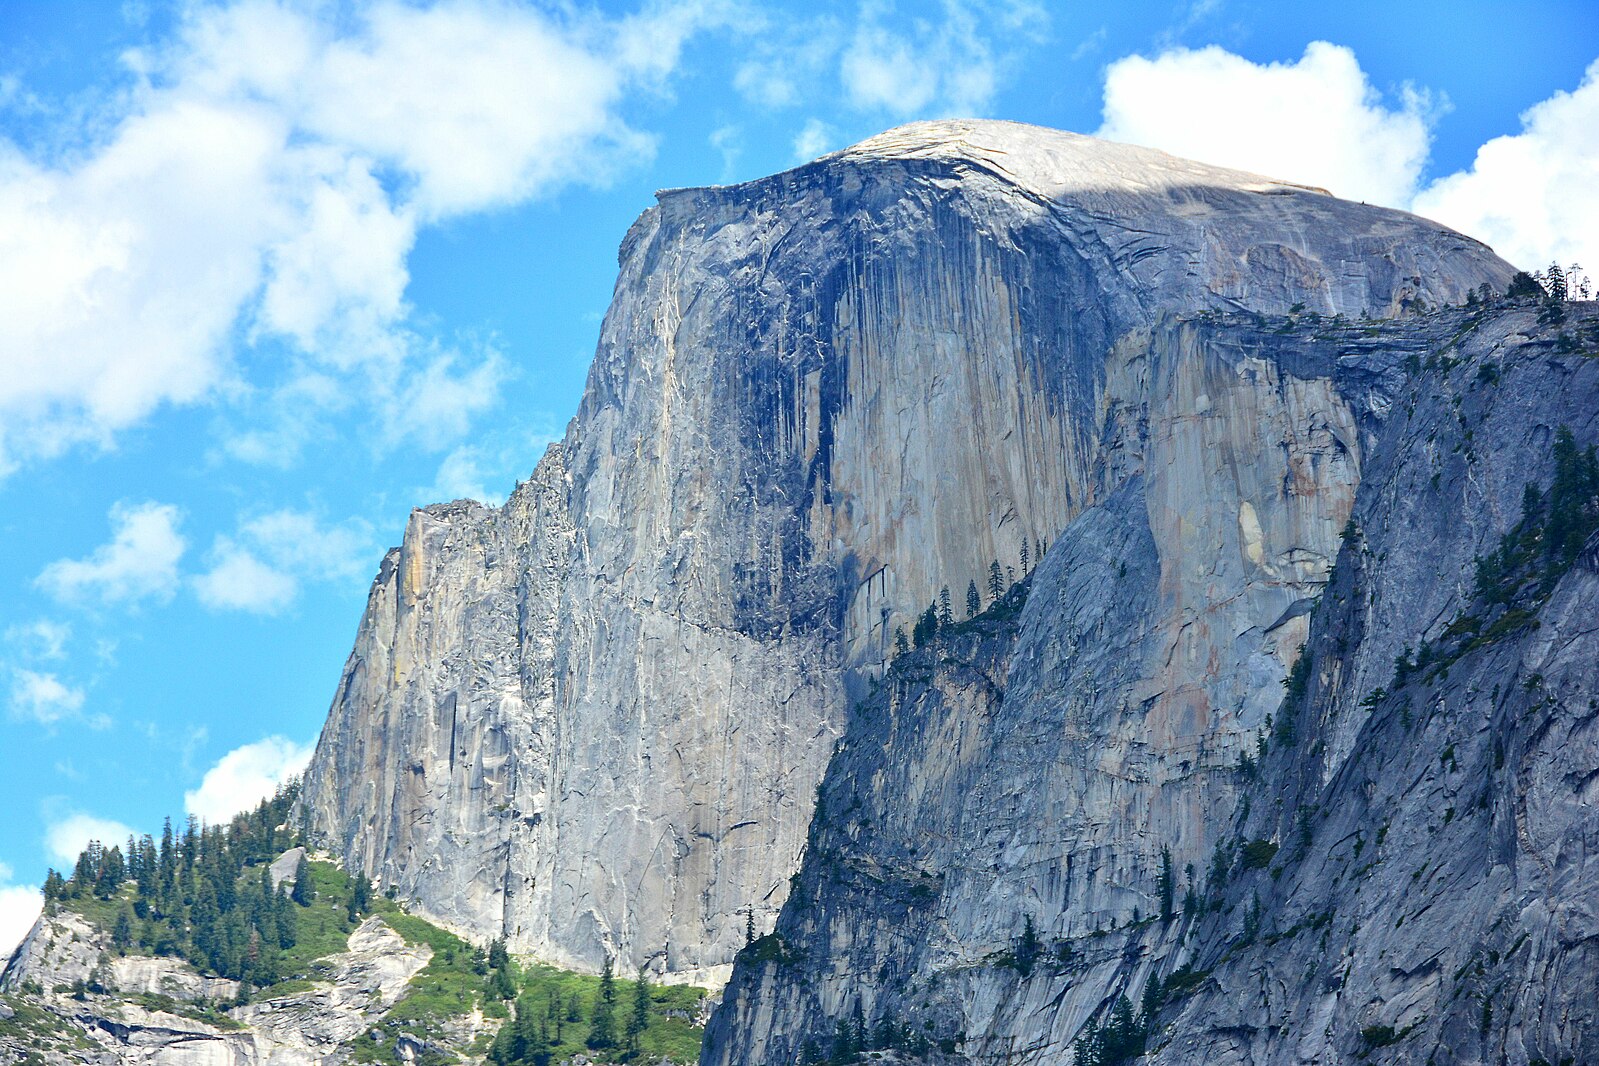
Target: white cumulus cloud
[245, 776]
[1317, 120]
[140, 562]
[1320, 121]
[19, 908]
[66, 837]
[246, 207]
[1531, 194]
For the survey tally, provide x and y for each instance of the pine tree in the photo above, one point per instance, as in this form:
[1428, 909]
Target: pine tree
[502, 981]
[844, 1049]
[973, 603]
[1523, 285]
[996, 581]
[1149, 1004]
[1555, 282]
[122, 931]
[886, 1035]
[602, 1030]
[639, 1020]
[285, 919]
[168, 860]
[1024, 555]
[1167, 887]
[360, 897]
[1027, 947]
[901, 645]
[1124, 1039]
[502, 984]
[749, 925]
[112, 873]
[946, 617]
[304, 891]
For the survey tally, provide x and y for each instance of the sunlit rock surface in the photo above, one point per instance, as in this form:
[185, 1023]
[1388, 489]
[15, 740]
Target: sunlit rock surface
[595, 719]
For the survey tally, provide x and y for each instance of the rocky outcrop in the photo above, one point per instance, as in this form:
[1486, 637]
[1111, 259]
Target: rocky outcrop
[594, 719]
[140, 1016]
[1389, 864]
[61, 949]
[147, 975]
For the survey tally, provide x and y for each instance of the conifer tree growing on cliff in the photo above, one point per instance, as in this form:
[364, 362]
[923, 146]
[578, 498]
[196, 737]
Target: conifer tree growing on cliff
[996, 581]
[974, 603]
[360, 901]
[304, 891]
[602, 1031]
[946, 616]
[502, 983]
[1027, 947]
[1166, 885]
[639, 1020]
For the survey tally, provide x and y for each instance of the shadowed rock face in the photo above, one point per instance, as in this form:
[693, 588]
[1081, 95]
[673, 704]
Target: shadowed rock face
[595, 719]
[1421, 882]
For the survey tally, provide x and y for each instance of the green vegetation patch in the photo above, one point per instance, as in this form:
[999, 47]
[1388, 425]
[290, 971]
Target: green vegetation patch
[560, 1015]
[32, 1026]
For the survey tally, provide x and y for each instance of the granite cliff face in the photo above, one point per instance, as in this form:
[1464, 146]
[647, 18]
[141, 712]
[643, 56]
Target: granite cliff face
[1402, 866]
[595, 719]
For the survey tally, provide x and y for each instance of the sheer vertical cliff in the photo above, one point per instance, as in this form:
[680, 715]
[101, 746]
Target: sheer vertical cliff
[1395, 860]
[595, 719]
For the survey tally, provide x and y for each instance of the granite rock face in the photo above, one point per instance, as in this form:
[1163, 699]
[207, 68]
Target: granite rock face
[1406, 871]
[594, 719]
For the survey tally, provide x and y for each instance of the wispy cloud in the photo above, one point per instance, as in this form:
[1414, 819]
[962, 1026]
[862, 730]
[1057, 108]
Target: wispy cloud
[895, 63]
[69, 834]
[43, 698]
[262, 567]
[814, 138]
[40, 639]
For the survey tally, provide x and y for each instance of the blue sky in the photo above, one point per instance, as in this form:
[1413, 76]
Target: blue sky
[272, 274]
